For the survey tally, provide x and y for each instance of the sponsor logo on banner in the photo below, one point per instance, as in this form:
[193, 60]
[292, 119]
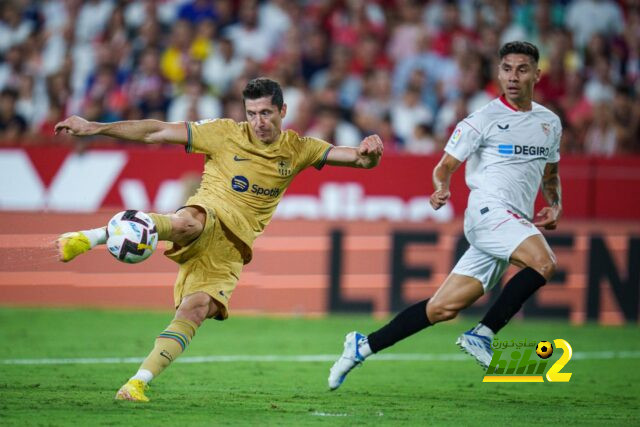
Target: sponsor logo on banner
[348, 201]
[57, 179]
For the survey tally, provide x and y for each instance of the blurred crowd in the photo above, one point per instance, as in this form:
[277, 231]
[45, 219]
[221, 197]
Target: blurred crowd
[407, 70]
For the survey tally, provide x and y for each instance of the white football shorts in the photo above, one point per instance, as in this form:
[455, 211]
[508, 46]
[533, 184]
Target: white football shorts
[494, 231]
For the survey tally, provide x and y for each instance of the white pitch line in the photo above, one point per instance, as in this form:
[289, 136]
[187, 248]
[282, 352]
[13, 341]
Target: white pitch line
[407, 357]
[328, 414]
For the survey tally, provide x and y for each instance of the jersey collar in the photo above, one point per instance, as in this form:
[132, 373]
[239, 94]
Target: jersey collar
[505, 102]
[269, 147]
[509, 106]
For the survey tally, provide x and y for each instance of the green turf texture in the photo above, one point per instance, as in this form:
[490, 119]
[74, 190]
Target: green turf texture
[411, 393]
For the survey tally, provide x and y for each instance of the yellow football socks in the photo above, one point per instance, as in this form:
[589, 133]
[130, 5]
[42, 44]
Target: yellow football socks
[169, 345]
[163, 225]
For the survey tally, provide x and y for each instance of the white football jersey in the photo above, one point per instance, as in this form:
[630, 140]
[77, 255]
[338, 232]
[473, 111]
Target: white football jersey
[506, 152]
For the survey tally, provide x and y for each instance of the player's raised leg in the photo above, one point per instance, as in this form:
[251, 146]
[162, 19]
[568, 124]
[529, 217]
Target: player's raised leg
[539, 262]
[456, 293]
[180, 228]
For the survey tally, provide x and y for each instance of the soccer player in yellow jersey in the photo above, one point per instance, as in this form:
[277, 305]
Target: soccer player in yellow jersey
[248, 167]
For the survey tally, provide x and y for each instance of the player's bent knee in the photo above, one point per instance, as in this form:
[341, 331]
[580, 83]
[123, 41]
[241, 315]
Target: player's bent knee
[546, 267]
[448, 315]
[195, 307]
[195, 315]
[185, 229]
[437, 312]
[442, 316]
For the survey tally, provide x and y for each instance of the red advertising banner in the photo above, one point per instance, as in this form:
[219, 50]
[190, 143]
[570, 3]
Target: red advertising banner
[319, 267]
[159, 179]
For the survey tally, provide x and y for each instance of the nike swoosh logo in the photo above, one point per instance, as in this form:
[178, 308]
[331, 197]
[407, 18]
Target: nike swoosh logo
[239, 159]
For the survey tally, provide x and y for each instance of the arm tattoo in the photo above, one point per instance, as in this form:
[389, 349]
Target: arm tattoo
[551, 189]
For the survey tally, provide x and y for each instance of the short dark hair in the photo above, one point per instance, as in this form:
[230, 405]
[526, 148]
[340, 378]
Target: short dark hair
[524, 48]
[10, 92]
[261, 87]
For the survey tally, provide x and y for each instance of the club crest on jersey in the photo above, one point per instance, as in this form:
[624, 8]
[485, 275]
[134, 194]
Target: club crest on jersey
[284, 167]
[546, 128]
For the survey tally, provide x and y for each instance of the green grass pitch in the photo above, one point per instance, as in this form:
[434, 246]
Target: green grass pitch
[445, 391]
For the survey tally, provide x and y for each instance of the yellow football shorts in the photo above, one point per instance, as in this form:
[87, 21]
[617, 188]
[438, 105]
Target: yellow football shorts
[212, 263]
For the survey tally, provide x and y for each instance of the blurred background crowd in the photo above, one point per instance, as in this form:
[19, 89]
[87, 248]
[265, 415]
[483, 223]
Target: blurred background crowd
[405, 69]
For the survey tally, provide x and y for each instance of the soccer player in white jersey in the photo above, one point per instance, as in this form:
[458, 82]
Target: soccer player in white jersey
[511, 146]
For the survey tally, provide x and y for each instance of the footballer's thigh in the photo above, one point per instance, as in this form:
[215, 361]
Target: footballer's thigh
[509, 237]
[456, 293]
[534, 252]
[473, 275]
[210, 265]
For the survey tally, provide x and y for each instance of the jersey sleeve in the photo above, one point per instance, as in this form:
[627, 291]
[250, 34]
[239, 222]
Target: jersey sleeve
[314, 152]
[554, 153]
[465, 139]
[205, 136]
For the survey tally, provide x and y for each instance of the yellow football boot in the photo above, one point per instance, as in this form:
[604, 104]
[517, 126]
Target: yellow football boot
[133, 390]
[70, 245]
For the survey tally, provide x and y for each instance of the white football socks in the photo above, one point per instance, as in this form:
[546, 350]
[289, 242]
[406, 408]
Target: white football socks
[143, 375]
[364, 349]
[484, 330]
[96, 236]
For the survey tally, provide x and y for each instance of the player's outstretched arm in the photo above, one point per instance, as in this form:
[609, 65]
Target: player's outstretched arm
[441, 178]
[147, 131]
[367, 155]
[552, 191]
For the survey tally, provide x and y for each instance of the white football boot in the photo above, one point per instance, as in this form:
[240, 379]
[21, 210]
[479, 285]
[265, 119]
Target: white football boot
[476, 345]
[349, 359]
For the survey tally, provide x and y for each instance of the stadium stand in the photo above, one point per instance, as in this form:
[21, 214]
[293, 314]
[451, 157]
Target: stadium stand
[405, 69]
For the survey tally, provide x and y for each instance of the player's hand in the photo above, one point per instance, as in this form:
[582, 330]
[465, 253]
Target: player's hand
[76, 126]
[371, 148]
[439, 198]
[548, 217]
